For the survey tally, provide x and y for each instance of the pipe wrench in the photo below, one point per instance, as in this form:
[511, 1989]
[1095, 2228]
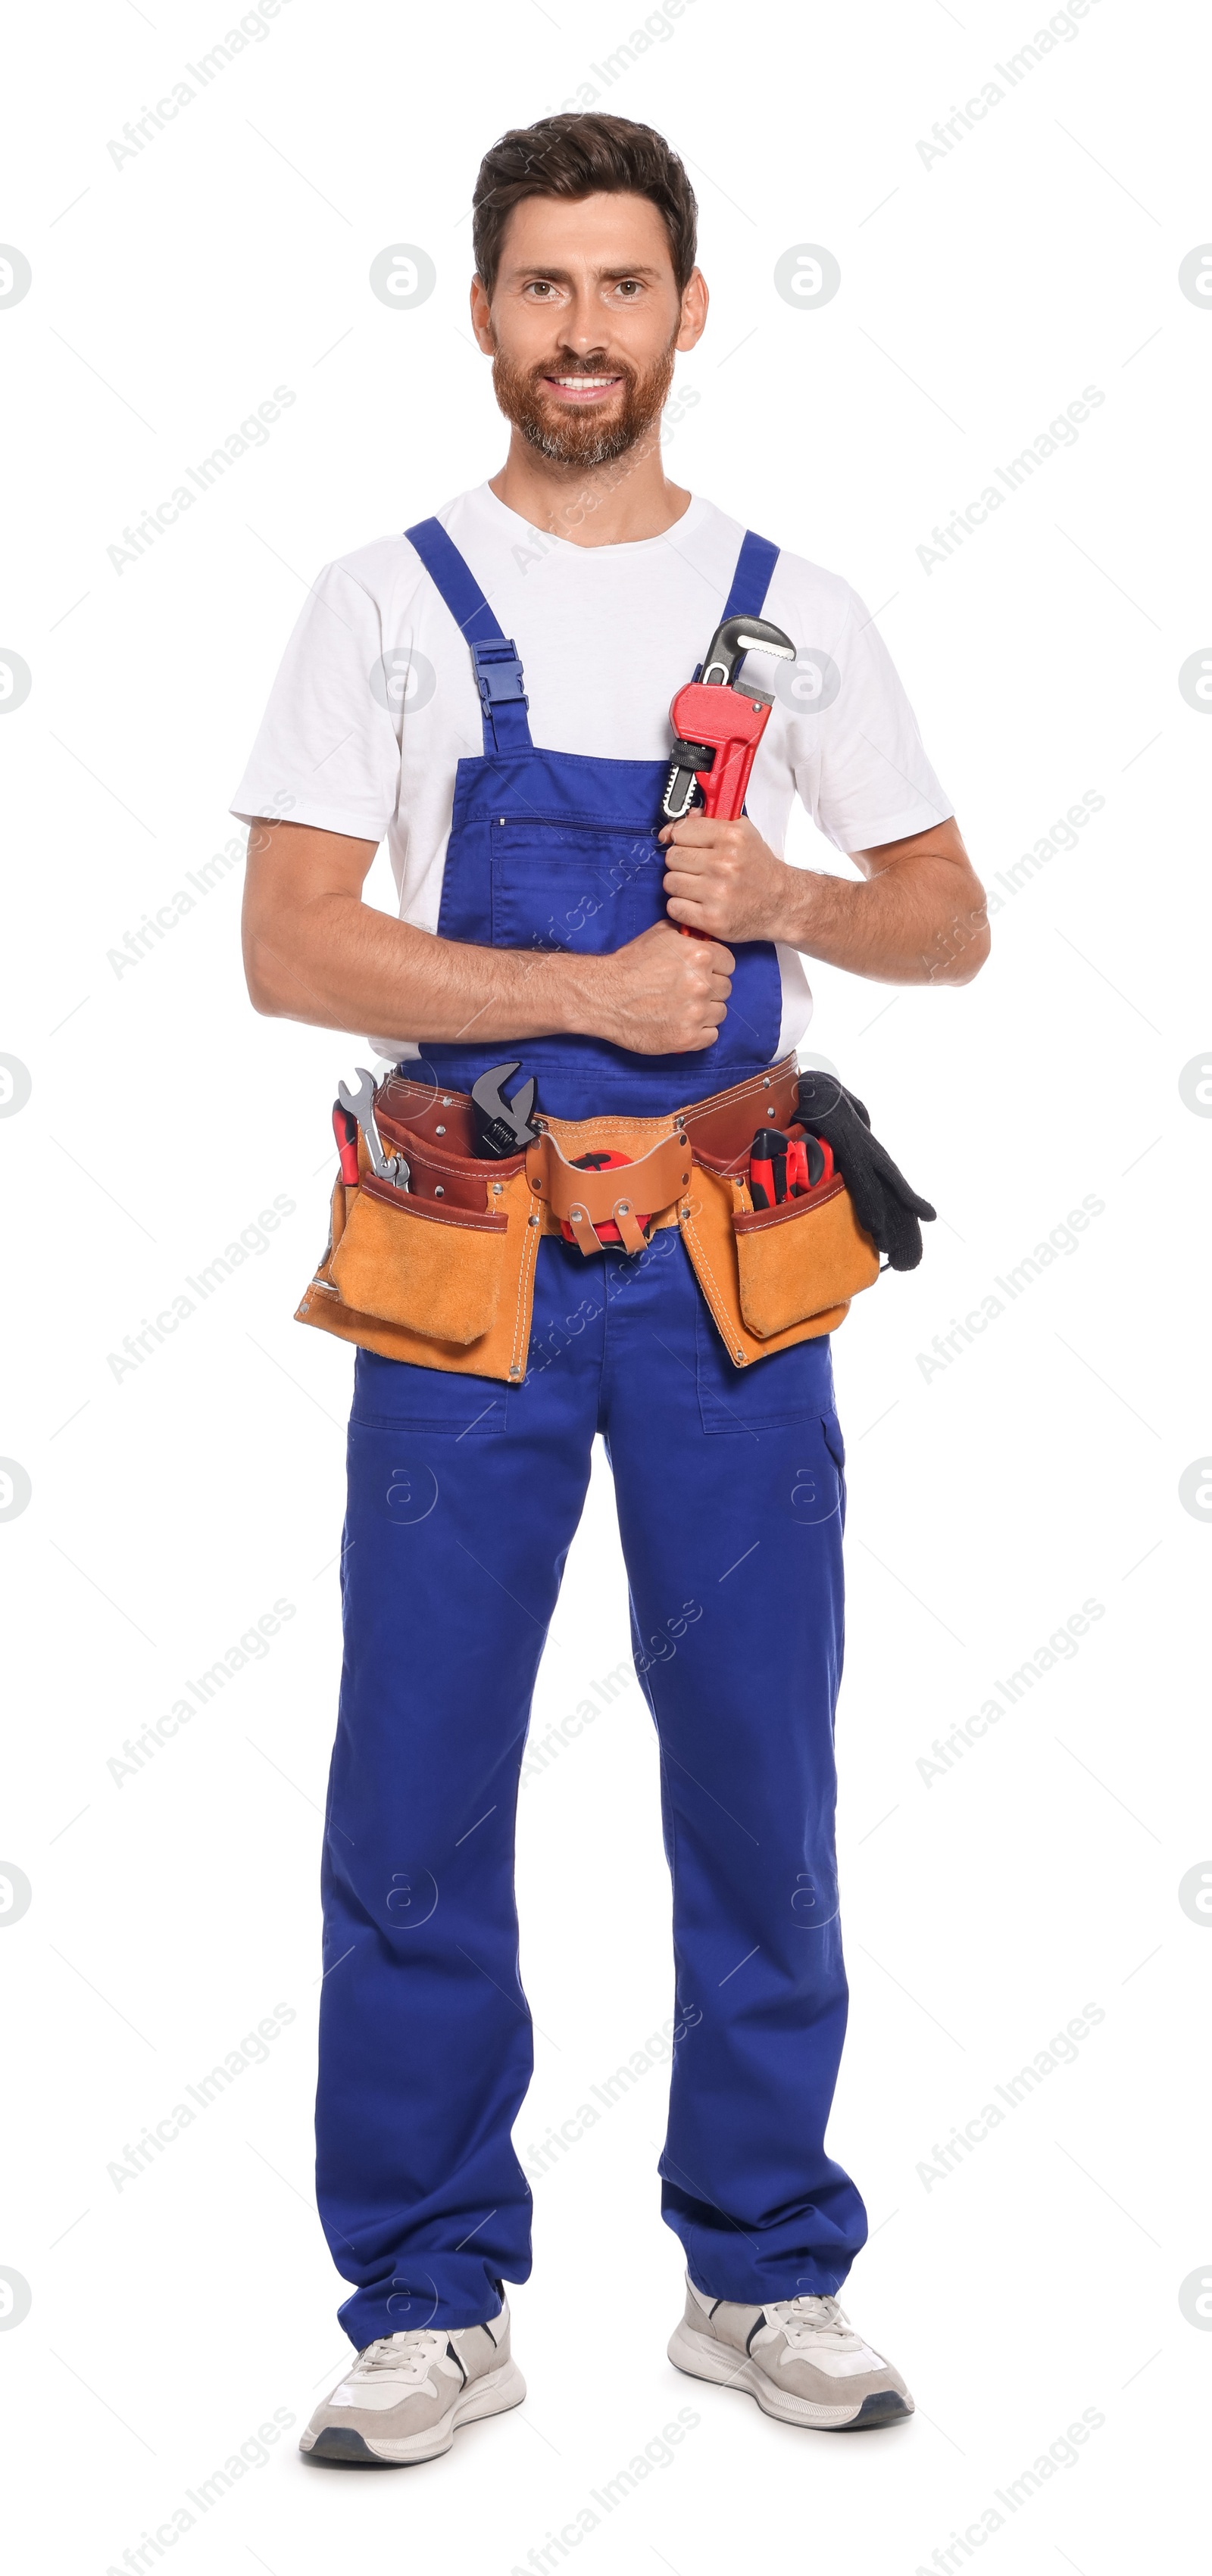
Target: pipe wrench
[719, 726]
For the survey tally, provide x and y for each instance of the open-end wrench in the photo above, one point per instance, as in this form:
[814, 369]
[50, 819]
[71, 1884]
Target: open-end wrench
[361, 1105]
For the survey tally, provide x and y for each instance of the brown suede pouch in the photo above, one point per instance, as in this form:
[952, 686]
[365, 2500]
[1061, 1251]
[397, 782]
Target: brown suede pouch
[451, 1290]
[412, 1261]
[796, 1261]
[765, 1281]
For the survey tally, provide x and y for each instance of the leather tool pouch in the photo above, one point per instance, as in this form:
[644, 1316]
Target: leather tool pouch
[410, 1261]
[443, 1274]
[774, 1276]
[796, 1262]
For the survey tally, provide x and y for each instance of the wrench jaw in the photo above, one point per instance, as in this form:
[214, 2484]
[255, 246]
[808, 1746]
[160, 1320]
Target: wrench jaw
[691, 762]
[688, 759]
[736, 637]
[503, 1127]
[360, 1104]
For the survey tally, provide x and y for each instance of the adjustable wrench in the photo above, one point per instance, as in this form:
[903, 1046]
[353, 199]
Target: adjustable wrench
[503, 1127]
[360, 1104]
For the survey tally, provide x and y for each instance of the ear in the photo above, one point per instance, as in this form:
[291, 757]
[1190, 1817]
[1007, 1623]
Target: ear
[695, 301]
[481, 319]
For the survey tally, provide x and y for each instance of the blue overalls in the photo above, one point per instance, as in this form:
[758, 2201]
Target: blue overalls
[464, 1496]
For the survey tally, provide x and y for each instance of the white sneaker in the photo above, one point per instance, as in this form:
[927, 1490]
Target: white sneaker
[407, 2394]
[800, 2358]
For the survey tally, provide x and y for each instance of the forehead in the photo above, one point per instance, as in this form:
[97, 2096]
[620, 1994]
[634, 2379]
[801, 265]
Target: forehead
[606, 231]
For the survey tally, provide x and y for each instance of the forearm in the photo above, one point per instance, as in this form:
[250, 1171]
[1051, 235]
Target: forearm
[919, 916]
[922, 925]
[341, 965]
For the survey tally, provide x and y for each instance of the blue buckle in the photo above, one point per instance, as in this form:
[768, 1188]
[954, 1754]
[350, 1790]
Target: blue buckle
[498, 671]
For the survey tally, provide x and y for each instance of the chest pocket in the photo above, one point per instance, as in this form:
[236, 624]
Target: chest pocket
[583, 887]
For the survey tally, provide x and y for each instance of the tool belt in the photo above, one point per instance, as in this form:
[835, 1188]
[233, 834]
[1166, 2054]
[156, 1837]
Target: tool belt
[442, 1273]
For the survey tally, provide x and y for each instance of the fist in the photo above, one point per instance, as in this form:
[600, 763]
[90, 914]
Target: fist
[723, 879]
[667, 995]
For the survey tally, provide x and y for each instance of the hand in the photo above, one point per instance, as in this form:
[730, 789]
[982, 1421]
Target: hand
[722, 878]
[662, 994]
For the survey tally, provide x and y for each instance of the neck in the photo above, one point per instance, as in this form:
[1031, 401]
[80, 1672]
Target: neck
[593, 505]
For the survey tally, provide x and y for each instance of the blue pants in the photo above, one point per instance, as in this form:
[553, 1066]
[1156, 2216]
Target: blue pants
[463, 1499]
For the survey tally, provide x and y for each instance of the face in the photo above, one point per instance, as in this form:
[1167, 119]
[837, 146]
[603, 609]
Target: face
[584, 323]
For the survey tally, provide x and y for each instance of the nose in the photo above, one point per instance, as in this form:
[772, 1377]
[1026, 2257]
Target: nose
[583, 322]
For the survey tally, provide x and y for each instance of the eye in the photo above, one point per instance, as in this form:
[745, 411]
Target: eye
[630, 287]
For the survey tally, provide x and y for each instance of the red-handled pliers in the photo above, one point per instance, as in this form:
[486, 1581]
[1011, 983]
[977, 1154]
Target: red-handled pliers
[345, 1129]
[786, 1167]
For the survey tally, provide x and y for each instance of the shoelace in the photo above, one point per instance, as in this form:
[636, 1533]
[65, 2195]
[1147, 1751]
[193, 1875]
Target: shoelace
[804, 2318]
[406, 2356]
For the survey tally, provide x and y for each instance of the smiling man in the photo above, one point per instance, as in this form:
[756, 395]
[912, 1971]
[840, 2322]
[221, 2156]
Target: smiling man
[490, 692]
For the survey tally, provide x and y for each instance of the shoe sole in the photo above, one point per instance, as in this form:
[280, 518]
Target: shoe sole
[702, 2358]
[492, 2394]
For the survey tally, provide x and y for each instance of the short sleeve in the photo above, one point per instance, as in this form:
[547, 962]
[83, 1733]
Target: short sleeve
[327, 752]
[860, 766]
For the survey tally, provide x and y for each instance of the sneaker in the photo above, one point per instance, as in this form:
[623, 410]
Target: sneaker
[800, 2358]
[407, 2394]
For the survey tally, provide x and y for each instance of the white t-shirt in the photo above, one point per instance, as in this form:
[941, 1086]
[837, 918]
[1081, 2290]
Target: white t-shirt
[376, 700]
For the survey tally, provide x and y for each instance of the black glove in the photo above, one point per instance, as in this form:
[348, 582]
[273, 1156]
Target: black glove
[886, 1208]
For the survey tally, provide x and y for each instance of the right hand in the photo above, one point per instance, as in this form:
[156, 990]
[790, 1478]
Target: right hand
[664, 994]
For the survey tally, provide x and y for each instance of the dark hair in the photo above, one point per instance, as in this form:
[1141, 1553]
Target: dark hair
[581, 156]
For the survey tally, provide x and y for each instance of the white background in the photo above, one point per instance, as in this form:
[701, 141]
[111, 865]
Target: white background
[980, 293]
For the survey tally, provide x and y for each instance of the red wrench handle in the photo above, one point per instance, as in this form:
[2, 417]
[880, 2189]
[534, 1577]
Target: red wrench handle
[733, 725]
[345, 1129]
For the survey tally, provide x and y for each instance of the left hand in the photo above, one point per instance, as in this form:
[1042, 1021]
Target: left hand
[724, 879]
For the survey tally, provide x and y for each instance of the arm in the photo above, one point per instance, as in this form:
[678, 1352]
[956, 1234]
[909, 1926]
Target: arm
[314, 951]
[918, 918]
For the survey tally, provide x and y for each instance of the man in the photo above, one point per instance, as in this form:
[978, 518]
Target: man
[540, 899]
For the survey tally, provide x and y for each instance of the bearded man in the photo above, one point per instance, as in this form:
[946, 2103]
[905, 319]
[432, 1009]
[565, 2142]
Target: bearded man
[490, 692]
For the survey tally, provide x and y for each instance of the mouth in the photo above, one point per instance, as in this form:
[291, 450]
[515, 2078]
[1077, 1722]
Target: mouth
[581, 389]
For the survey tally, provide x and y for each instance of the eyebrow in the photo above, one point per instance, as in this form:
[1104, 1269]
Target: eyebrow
[563, 276]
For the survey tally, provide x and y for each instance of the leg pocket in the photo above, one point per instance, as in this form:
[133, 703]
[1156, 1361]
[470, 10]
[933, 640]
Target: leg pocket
[391, 1394]
[818, 1488]
[787, 1386]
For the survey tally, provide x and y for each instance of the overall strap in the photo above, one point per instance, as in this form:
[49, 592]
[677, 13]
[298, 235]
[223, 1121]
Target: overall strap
[494, 656]
[751, 580]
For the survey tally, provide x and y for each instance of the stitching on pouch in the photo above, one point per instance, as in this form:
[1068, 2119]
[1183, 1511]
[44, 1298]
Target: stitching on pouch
[530, 1250]
[573, 1129]
[831, 1189]
[714, 1300]
[740, 1091]
[465, 1222]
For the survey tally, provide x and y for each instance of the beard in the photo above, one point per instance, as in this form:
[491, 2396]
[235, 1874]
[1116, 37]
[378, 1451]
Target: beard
[582, 437]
